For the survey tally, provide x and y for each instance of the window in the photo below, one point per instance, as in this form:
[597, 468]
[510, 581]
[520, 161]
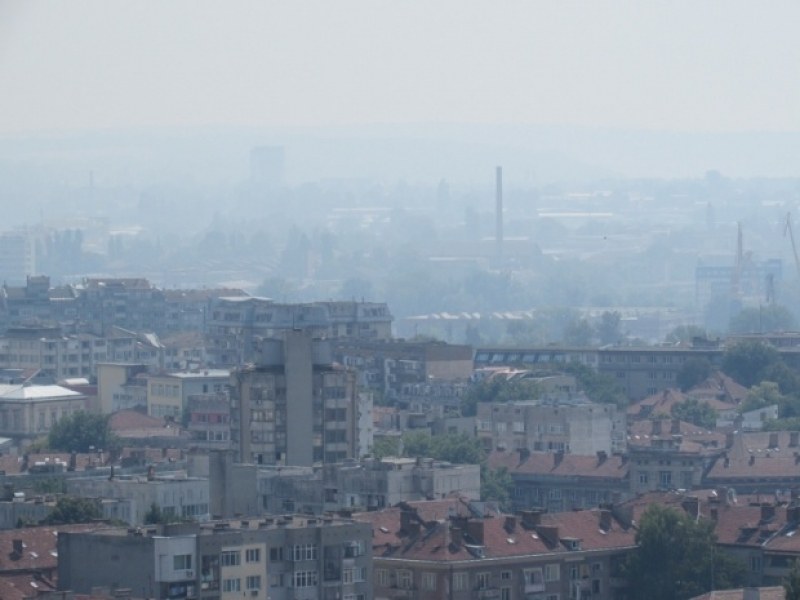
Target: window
[353, 549]
[460, 582]
[404, 579]
[276, 580]
[665, 478]
[552, 572]
[305, 579]
[483, 580]
[382, 577]
[230, 558]
[232, 585]
[276, 554]
[253, 582]
[505, 593]
[429, 582]
[305, 552]
[533, 576]
[181, 562]
[755, 563]
[643, 478]
[552, 596]
[505, 576]
[252, 555]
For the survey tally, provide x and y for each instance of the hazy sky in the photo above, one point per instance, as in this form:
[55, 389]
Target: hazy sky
[713, 66]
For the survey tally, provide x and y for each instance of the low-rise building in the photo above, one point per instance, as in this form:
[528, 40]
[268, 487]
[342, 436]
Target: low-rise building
[581, 427]
[280, 559]
[453, 549]
[559, 481]
[29, 411]
[365, 485]
[168, 393]
[376, 484]
[671, 454]
[175, 495]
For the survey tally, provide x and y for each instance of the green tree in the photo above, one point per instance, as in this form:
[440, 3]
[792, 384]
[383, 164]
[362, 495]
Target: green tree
[80, 432]
[685, 334]
[497, 485]
[698, 413]
[677, 557]
[459, 448]
[609, 329]
[386, 446]
[762, 319]
[792, 583]
[497, 389]
[72, 509]
[417, 444]
[762, 395]
[747, 361]
[599, 387]
[693, 372]
[578, 333]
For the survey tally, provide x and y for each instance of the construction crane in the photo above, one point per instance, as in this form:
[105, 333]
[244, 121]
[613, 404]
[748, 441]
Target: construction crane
[787, 228]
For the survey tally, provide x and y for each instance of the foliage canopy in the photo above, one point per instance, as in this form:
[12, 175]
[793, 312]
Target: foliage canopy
[81, 432]
[677, 558]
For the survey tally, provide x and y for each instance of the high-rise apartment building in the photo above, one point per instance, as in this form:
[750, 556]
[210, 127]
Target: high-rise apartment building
[294, 406]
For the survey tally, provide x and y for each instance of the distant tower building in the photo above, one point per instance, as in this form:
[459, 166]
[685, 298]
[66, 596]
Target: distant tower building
[498, 236]
[266, 165]
[17, 257]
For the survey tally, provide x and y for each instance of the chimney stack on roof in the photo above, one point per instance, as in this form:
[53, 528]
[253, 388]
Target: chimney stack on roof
[605, 519]
[602, 456]
[531, 518]
[409, 524]
[16, 549]
[510, 524]
[773, 439]
[767, 511]
[793, 513]
[675, 426]
[656, 430]
[475, 530]
[456, 535]
[691, 504]
[558, 457]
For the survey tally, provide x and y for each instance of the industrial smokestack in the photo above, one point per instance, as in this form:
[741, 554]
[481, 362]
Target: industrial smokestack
[498, 235]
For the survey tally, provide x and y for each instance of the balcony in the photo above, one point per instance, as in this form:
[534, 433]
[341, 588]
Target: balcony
[532, 588]
[488, 593]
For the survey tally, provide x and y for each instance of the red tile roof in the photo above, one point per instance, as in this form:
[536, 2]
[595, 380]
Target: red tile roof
[566, 465]
[663, 402]
[496, 536]
[39, 549]
[23, 586]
